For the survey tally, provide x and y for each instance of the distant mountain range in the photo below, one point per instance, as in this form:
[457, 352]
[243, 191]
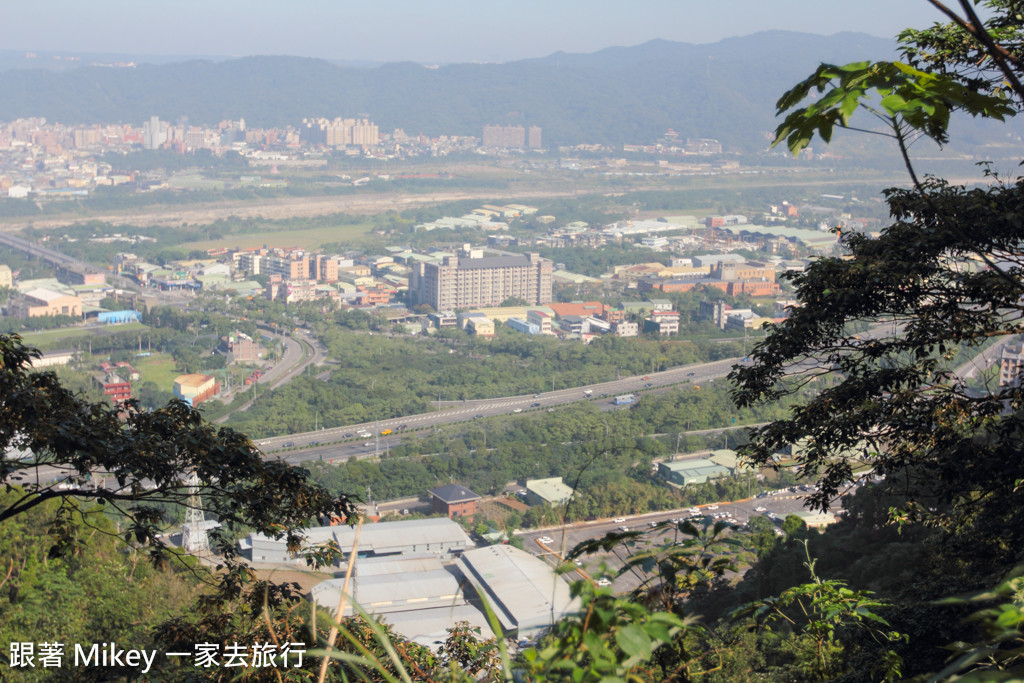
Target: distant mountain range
[725, 90]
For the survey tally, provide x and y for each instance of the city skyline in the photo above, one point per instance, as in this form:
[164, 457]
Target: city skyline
[443, 32]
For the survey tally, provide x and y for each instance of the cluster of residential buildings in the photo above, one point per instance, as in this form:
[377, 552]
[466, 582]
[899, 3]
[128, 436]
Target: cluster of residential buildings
[574, 321]
[114, 380]
[444, 280]
[43, 159]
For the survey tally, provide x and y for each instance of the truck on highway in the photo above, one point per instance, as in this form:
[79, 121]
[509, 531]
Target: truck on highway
[623, 399]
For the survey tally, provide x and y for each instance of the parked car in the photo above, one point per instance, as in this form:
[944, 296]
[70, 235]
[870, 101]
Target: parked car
[603, 582]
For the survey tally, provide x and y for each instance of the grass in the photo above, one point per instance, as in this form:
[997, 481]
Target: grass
[47, 340]
[158, 368]
[194, 181]
[308, 238]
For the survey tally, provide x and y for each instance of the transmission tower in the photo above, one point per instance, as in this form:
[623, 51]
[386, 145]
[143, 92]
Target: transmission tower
[193, 529]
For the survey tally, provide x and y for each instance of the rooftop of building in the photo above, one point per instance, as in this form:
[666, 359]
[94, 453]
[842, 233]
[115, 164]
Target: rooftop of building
[384, 537]
[46, 295]
[192, 380]
[504, 261]
[524, 590]
[453, 493]
[551, 489]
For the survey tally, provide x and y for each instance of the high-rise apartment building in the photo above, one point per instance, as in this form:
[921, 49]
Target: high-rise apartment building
[295, 267]
[250, 262]
[533, 140]
[325, 268]
[472, 279]
[154, 133]
[504, 136]
[340, 132]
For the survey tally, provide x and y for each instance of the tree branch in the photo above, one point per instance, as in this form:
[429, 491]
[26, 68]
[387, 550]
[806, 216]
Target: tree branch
[1000, 55]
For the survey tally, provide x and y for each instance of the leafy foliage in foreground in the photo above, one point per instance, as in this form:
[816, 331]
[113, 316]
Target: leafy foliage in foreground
[136, 462]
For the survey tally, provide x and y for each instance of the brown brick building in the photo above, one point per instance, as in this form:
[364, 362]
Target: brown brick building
[453, 500]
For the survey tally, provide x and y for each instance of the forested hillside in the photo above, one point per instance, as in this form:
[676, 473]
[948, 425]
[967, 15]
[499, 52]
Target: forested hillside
[724, 90]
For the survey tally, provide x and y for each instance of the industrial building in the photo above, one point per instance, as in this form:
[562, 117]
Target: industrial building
[437, 536]
[52, 358]
[421, 598]
[691, 471]
[549, 491]
[520, 325]
[194, 389]
[40, 302]
[416, 594]
[398, 589]
[525, 593]
[414, 575]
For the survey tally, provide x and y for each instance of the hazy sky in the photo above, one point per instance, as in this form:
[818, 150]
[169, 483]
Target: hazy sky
[424, 30]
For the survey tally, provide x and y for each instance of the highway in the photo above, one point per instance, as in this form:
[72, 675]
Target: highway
[330, 443]
[299, 353]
